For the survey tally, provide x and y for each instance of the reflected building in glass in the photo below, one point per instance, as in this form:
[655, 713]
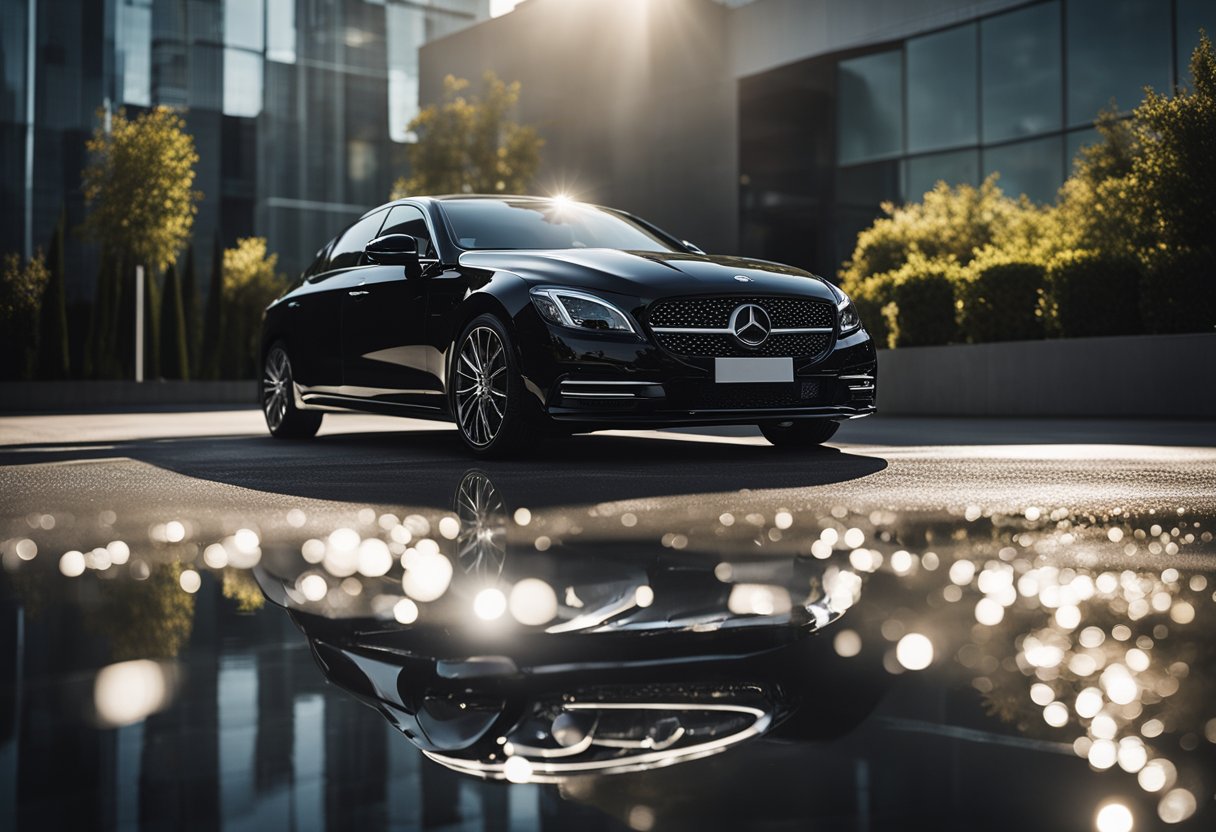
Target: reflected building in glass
[298, 108]
[776, 128]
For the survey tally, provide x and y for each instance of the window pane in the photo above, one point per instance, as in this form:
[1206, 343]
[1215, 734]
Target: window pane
[1076, 140]
[243, 24]
[349, 250]
[242, 83]
[406, 29]
[955, 168]
[1115, 49]
[871, 119]
[1022, 84]
[134, 47]
[1034, 168]
[406, 219]
[941, 90]
[1193, 15]
[281, 31]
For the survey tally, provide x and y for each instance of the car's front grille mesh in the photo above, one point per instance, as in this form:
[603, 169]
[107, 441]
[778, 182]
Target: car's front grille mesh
[715, 312]
[725, 346]
[785, 313]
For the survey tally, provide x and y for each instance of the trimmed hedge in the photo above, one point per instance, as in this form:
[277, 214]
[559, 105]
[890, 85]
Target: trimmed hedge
[1001, 302]
[870, 297]
[921, 309]
[1178, 294]
[1091, 295]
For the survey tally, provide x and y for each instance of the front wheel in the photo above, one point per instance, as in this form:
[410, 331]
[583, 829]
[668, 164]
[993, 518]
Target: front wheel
[283, 418]
[805, 433]
[487, 392]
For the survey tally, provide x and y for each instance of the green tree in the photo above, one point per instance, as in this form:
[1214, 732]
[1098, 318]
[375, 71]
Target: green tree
[174, 361]
[210, 358]
[139, 185]
[22, 284]
[53, 360]
[470, 144]
[190, 311]
[251, 282]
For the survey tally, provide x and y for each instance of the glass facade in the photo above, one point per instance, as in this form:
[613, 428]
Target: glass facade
[1016, 93]
[298, 109]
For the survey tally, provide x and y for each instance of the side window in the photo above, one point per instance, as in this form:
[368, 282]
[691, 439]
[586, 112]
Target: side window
[348, 251]
[406, 219]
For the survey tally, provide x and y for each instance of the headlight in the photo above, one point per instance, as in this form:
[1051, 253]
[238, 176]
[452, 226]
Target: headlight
[578, 310]
[849, 319]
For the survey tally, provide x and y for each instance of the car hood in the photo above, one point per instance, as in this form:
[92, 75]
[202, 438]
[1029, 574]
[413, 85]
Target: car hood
[649, 274]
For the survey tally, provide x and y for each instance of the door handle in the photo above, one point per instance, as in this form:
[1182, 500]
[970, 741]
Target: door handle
[357, 293]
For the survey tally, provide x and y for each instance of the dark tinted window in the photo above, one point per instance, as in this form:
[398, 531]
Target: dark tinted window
[941, 90]
[1022, 85]
[869, 90]
[1034, 168]
[348, 251]
[1115, 48]
[406, 219]
[956, 167]
[542, 223]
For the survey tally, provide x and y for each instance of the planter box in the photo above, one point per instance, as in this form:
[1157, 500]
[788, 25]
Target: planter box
[1124, 376]
[82, 396]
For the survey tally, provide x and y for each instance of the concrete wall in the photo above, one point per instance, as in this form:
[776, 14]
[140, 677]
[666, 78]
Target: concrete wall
[635, 99]
[1149, 375]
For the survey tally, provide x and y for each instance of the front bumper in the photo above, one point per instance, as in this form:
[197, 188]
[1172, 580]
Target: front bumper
[609, 381]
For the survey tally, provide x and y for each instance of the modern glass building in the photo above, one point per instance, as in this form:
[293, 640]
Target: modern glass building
[298, 108]
[776, 128]
[1014, 93]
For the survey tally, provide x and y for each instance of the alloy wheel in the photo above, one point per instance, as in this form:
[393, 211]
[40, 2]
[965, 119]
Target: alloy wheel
[276, 387]
[481, 386]
[482, 543]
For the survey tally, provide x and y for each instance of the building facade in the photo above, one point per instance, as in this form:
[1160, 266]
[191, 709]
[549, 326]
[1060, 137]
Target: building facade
[298, 108]
[776, 128]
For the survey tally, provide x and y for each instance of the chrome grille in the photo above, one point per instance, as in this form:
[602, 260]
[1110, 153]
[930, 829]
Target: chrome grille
[726, 346]
[700, 326]
[786, 313]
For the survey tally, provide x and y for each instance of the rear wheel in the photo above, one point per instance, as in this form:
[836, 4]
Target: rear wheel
[283, 418]
[805, 433]
[488, 398]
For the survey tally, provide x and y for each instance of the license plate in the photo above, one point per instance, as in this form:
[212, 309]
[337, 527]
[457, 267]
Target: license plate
[749, 370]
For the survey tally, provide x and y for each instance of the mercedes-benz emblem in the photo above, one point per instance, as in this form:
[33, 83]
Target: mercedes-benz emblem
[751, 324]
[742, 278]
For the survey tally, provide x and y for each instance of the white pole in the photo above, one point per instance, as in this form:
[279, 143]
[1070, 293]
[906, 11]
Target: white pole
[31, 88]
[139, 323]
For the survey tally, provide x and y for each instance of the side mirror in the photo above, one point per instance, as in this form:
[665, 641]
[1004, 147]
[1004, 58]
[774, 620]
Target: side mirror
[393, 250]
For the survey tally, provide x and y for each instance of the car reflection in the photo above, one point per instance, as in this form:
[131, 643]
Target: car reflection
[601, 658]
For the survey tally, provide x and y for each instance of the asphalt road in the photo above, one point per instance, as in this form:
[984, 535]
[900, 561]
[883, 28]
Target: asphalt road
[217, 470]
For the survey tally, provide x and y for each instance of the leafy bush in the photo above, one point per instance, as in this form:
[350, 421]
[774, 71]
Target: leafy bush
[952, 222]
[1000, 300]
[920, 310]
[22, 284]
[251, 282]
[1178, 294]
[1089, 294]
[870, 297]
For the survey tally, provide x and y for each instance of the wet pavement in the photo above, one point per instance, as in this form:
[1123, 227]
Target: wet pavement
[940, 624]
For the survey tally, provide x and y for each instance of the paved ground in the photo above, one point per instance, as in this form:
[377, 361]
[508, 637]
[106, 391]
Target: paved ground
[217, 468]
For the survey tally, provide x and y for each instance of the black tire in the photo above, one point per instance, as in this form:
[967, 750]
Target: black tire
[486, 392]
[801, 433]
[283, 418]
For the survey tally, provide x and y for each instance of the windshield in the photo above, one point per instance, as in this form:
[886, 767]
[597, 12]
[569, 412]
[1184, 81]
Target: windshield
[542, 223]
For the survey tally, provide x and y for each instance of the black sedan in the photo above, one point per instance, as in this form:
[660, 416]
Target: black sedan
[517, 317]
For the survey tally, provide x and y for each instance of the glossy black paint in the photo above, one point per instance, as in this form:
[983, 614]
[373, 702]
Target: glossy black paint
[376, 337]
